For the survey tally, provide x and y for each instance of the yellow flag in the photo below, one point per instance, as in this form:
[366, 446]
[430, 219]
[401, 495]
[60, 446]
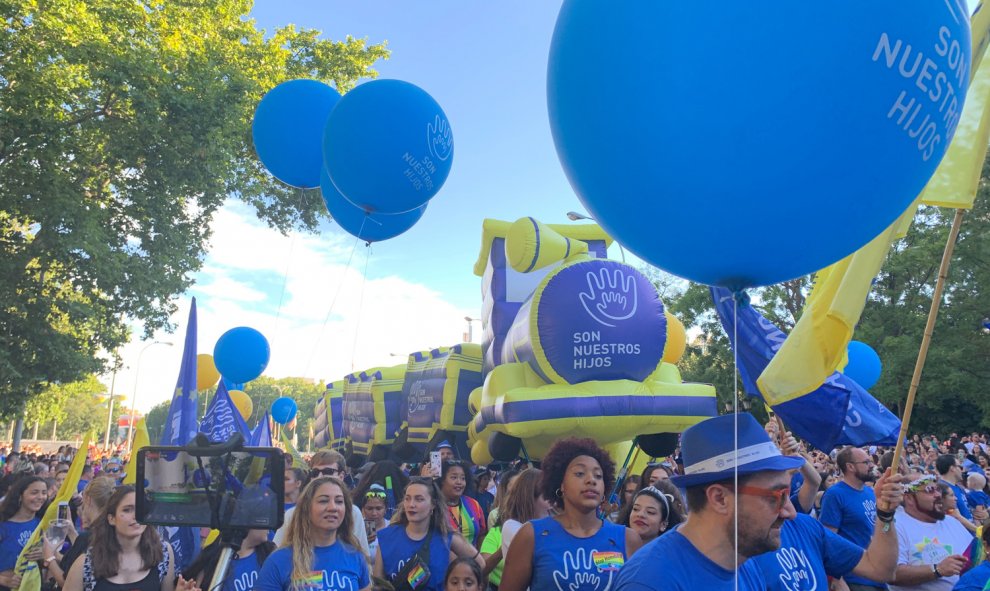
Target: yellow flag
[297, 460]
[141, 439]
[817, 345]
[30, 574]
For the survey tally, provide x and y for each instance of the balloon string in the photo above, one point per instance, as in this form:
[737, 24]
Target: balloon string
[357, 325]
[735, 437]
[285, 275]
[333, 303]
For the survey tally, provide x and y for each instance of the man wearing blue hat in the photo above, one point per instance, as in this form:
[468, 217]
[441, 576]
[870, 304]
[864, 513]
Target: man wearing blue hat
[737, 484]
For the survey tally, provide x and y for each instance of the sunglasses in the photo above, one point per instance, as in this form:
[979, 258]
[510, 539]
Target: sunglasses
[112, 470]
[779, 495]
[375, 494]
[925, 488]
[316, 473]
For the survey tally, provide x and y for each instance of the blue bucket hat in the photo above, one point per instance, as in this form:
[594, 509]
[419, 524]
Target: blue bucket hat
[709, 454]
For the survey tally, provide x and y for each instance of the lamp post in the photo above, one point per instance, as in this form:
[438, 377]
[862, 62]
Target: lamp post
[470, 331]
[576, 217]
[137, 374]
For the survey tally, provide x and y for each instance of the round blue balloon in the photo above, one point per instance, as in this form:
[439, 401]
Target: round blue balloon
[288, 130]
[284, 410]
[864, 365]
[241, 354]
[388, 146]
[370, 227]
[747, 149]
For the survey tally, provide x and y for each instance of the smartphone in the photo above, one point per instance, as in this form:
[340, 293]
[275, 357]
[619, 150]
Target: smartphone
[63, 511]
[436, 467]
[369, 524]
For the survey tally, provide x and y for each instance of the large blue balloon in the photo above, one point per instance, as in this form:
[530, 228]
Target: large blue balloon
[370, 227]
[746, 147]
[288, 130]
[284, 410]
[864, 364]
[388, 146]
[241, 354]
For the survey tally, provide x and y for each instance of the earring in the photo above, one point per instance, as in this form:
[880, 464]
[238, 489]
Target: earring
[559, 493]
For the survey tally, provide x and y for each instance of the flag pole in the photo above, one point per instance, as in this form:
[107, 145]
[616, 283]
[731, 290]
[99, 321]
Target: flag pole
[919, 366]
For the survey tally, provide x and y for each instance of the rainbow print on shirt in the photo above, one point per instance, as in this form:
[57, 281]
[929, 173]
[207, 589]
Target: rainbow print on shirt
[417, 576]
[608, 561]
[313, 581]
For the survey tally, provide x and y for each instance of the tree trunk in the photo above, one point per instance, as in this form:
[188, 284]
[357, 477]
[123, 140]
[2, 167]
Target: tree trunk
[35, 436]
[18, 431]
[54, 429]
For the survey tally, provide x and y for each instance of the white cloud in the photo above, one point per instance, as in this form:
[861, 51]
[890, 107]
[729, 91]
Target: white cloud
[241, 284]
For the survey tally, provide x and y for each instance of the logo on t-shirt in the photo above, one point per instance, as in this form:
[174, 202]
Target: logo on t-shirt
[796, 573]
[246, 581]
[870, 510]
[320, 579]
[931, 551]
[580, 572]
[25, 537]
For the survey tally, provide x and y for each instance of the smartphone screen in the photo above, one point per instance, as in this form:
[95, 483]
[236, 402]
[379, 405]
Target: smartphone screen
[435, 466]
[369, 524]
[63, 511]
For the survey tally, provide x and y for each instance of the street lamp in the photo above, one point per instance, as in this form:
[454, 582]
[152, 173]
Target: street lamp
[576, 217]
[137, 373]
[470, 332]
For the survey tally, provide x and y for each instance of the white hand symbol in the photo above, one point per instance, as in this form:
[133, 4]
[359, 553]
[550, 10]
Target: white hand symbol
[610, 296]
[579, 572]
[796, 572]
[440, 140]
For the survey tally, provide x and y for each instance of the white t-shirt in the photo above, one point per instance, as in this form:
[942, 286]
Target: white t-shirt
[929, 543]
[509, 530]
[358, 529]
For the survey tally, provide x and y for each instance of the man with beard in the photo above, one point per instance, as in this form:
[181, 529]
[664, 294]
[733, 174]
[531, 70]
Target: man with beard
[849, 507]
[933, 549]
[746, 483]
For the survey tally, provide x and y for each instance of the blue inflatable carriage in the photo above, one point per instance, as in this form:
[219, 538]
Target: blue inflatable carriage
[574, 344]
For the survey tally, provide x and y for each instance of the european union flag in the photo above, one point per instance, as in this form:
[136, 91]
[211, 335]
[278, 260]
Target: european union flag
[222, 419]
[839, 412]
[180, 429]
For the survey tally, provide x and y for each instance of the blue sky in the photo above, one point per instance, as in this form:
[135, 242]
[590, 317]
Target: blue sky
[485, 63]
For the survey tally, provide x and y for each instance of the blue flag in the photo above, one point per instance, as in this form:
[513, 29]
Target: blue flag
[222, 419]
[262, 434]
[180, 429]
[839, 412]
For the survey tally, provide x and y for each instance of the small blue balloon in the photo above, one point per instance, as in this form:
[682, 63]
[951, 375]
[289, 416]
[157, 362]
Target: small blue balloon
[288, 130]
[284, 410]
[864, 365]
[388, 146]
[370, 227]
[241, 354]
[747, 150]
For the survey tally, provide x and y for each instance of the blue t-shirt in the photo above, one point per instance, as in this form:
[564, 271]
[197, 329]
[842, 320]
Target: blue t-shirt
[975, 498]
[672, 563]
[337, 567]
[975, 580]
[397, 548]
[13, 536]
[960, 495]
[243, 574]
[809, 553]
[853, 513]
[563, 561]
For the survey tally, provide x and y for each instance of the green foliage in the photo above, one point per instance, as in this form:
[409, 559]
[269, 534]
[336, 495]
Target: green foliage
[77, 407]
[264, 391]
[123, 128]
[155, 421]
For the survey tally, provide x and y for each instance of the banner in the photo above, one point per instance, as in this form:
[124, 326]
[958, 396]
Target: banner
[222, 419]
[262, 434]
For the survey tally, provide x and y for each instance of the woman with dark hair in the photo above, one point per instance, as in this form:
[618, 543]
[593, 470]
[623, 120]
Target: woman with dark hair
[295, 480]
[420, 529]
[652, 512]
[463, 574]
[124, 554]
[18, 520]
[320, 550]
[575, 549]
[244, 568]
[464, 512]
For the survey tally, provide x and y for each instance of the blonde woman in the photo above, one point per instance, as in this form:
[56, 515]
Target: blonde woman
[320, 551]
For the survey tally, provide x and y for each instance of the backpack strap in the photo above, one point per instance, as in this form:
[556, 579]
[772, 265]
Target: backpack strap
[89, 581]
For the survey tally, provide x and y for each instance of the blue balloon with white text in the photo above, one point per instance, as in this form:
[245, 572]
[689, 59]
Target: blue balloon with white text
[766, 149]
[388, 146]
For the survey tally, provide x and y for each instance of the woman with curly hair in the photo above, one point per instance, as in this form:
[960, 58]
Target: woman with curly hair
[18, 520]
[653, 511]
[574, 549]
[124, 554]
[320, 551]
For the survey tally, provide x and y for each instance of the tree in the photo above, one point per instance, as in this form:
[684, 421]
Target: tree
[264, 391]
[77, 407]
[123, 128]
[155, 420]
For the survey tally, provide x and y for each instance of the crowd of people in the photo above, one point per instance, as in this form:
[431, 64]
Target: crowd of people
[736, 504]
